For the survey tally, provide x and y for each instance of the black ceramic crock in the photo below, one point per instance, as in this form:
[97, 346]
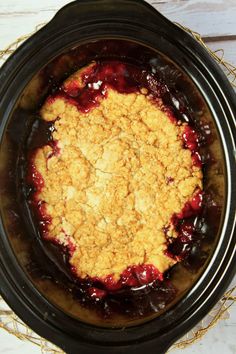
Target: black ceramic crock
[38, 302]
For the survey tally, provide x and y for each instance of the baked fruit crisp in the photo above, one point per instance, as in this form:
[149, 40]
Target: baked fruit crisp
[116, 180]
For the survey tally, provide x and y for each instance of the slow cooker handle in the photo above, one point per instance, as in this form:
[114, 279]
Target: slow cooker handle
[80, 10]
[142, 348]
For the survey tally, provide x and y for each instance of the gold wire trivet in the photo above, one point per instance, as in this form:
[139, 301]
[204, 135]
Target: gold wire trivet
[13, 325]
[218, 55]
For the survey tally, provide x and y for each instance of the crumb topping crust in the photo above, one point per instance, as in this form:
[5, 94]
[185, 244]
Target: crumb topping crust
[120, 173]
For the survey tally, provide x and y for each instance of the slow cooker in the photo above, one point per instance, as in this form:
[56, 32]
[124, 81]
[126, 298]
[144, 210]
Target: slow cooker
[80, 32]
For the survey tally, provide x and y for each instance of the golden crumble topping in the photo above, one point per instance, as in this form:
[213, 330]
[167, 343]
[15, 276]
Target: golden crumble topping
[121, 174]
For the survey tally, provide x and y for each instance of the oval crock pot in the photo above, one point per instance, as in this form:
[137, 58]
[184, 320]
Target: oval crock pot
[87, 21]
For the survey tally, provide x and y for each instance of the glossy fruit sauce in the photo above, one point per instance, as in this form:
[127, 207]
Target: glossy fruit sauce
[142, 289]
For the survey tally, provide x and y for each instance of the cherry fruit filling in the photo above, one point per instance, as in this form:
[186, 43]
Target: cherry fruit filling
[93, 94]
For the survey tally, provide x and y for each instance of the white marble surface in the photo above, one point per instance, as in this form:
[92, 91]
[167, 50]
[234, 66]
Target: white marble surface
[19, 17]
